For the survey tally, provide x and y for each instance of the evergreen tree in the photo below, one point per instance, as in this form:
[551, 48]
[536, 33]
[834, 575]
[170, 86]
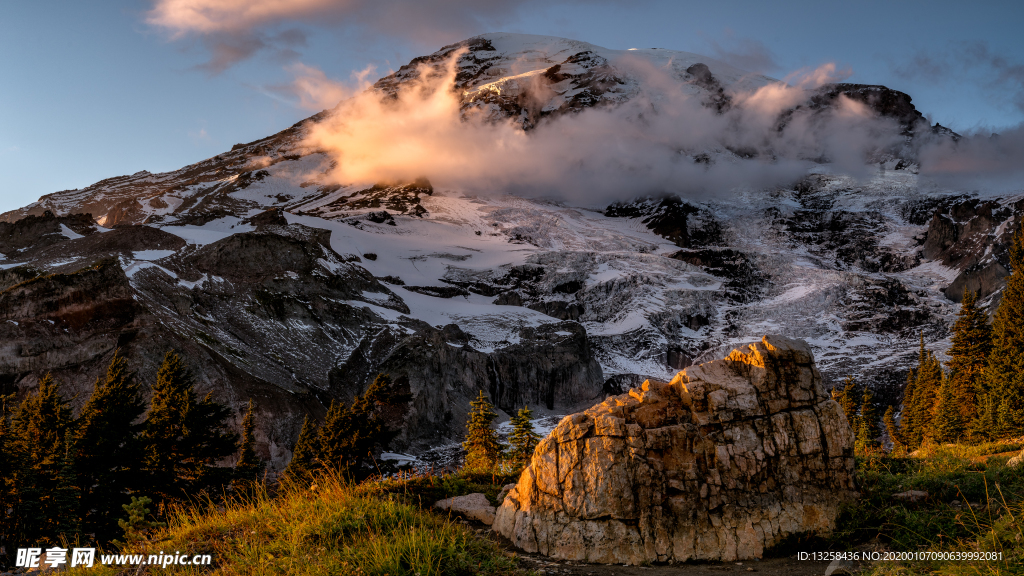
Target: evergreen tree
[249, 467]
[849, 398]
[1005, 372]
[867, 429]
[920, 398]
[106, 448]
[968, 356]
[986, 425]
[353, 434]
[482, 446]
[183, 436]
[8, 466]
[889, 421]
[948, 423]
[136, 528]
[304, 455]
[67, 495]
[40, 432]
[523, 440]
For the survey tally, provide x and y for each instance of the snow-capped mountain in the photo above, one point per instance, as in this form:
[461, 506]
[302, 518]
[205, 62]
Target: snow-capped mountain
[281, 284]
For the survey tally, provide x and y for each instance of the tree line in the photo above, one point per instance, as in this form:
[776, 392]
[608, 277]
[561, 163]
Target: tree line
[978, 395]
[72, 478]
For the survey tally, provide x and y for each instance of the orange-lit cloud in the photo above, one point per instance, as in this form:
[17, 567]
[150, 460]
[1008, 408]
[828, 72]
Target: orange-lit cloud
[234, 30]
[208, 16]
[646, 145]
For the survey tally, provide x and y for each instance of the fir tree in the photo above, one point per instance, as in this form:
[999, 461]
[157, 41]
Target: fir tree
[353, 434]
[920, 399]
[40, 432]
[1005, 372]
[968, 356]
[867, 429]
[304, 455]
[948, 424]
[67, 495]
[986, 425]
[849, 398]
[8, 466]
[135, 527]
[106, 448]
[183, 436]
[482, 446]
[523, 440]
[249, 467]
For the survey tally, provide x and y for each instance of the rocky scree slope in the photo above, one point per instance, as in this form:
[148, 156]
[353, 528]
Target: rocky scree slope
[281, 285]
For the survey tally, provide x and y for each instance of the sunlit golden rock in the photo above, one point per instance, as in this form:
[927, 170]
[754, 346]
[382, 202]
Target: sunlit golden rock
[724, 461]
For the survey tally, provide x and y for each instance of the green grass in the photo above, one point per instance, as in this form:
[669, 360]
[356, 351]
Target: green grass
[424, 489]
[330, 528]
[975, 503]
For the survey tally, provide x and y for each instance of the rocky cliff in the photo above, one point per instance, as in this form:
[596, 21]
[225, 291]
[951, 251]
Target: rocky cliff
[724, 461]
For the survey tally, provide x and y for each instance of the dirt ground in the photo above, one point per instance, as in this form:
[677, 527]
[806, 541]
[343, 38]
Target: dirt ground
[787, 566]
[771, 566]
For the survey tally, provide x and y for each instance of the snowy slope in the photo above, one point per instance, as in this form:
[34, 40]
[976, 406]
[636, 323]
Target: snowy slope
[645, 287]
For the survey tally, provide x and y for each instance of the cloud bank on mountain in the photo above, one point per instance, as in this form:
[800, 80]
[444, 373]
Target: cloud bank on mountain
[662, 140]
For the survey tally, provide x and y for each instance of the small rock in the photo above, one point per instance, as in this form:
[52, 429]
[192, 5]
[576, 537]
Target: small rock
[1016, 460]
[504, 492]
[911, 496]
[473, 506]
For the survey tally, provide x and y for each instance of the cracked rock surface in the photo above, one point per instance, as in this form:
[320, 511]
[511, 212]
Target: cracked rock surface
[724, 461]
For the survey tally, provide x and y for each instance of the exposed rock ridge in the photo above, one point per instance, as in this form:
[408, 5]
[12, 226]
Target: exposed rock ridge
[721, 463]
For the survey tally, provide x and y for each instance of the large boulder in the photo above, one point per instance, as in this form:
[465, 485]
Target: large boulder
[721, 463]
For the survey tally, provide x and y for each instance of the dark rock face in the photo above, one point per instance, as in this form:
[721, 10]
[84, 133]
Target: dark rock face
[716, 97]
[851, 238]
[552, 366]
[40, 231]
[398, 198]
[685, 225]
[972, 236]
[745, 278]
[885, 101]
[274, 314]
[121, 241]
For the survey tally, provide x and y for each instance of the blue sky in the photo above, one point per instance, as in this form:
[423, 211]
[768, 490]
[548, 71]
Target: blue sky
[94, 90]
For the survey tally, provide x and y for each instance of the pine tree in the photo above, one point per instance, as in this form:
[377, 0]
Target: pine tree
[867, 429]
[523, 440]
[249, 467]
[1005, 372]
[948, 424]
[968, 356]
[106, 448]
[40, 432]
[136, 528]
[986, 425]
[920, 403]
[849, 398]
[67, 494]
[304, 455]
[8, 466]
[482, 446]
[353, 434]
[183, 436]
[889, 421]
